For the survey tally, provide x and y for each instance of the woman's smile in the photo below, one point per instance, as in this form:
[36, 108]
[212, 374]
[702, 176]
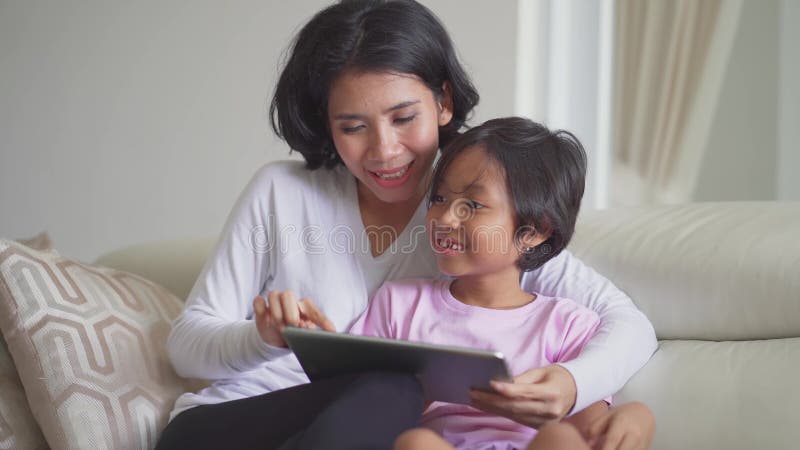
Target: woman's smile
[392, 178]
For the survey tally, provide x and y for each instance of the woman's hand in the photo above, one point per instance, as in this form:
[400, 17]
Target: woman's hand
[284, 310]
[626, 427]
[534, 398]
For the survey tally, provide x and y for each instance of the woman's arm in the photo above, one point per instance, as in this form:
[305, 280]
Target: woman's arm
[622, 344]
[214, 336]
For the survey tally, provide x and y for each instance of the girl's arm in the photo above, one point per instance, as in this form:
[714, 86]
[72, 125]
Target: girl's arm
[213, 337]
[622, 344]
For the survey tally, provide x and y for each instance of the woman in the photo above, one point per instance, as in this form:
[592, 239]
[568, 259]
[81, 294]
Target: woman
[370, 92]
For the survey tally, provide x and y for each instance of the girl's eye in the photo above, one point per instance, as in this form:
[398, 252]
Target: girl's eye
[436, 198]
[474, 205]
[402, 120]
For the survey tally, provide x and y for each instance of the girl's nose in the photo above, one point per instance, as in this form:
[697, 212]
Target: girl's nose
[449, 216]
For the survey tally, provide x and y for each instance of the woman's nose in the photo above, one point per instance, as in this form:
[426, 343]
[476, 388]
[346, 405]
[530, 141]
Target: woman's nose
[383, 145]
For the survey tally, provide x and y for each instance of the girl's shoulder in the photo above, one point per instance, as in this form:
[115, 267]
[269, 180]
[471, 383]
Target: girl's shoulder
[415, 284]
[564, 309]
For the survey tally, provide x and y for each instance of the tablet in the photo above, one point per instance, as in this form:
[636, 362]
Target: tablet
[446, 373]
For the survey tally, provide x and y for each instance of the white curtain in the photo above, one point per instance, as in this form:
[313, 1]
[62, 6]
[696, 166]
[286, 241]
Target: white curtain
[670, 59]
[563, 77]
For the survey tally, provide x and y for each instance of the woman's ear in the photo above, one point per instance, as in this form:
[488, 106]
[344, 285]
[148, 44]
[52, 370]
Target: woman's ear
[445, 104]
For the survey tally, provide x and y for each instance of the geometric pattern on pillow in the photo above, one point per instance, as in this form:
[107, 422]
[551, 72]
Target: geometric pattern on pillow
[18, 428]
[89, 344]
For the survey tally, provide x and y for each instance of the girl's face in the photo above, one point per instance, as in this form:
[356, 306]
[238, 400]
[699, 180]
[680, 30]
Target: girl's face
[472, 219]
[385, 128]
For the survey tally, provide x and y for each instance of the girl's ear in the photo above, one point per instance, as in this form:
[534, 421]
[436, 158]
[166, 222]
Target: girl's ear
[530, 237]
[445, 104]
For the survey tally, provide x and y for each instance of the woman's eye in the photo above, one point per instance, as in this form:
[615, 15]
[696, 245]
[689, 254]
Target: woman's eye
[402, 120]
[436, 198]
[351, 130]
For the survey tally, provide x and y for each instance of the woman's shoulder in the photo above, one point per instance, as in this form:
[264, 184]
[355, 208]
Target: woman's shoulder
[286, 188]
[289, 171]
[293, 176]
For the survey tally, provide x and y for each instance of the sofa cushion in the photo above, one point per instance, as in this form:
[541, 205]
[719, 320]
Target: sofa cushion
[721, 395]
[89, 346]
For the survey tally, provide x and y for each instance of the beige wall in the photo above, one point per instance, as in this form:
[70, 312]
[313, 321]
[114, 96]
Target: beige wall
[124, 122]
[129, 122]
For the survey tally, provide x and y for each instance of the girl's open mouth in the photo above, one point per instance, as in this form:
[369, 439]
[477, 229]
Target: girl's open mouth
[447, 246]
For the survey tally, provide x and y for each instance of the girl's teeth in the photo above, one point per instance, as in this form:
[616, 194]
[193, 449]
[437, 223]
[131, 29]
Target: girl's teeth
[451, 245]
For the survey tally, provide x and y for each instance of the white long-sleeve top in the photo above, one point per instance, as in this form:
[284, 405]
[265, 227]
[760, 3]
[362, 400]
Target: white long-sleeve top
[301, 230]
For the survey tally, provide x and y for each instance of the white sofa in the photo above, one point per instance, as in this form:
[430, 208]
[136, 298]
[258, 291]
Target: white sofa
[720, 283]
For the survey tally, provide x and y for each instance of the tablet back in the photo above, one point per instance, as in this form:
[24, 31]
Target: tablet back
[447, 373]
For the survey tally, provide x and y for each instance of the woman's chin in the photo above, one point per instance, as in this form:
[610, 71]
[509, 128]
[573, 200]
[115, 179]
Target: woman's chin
[394, 195]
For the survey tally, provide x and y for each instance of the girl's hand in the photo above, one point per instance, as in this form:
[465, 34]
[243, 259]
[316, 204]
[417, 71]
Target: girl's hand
[534, 398]
[284, 310]
[626, 427]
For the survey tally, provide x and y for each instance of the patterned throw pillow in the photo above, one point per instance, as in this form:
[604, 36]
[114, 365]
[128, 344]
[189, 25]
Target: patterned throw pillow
[89, 346]
[40, 242]
[18, 428]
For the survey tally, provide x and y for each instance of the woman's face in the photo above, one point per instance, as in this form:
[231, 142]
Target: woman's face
[385, 127]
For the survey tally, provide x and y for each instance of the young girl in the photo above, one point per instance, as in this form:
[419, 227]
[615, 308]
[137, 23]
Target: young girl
[369, 93]
[504, 200]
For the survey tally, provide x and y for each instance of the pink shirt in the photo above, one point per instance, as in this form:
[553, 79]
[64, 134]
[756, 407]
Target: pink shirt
[545, 331]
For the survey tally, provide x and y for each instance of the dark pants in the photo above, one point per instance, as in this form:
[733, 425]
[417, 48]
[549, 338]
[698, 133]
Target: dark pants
[352, 412]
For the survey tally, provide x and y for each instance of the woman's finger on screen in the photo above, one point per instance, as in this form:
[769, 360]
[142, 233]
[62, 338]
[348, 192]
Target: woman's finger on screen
[310, 311]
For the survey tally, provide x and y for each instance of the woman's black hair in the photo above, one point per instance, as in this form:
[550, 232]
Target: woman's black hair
[393, 36]
[545, 171]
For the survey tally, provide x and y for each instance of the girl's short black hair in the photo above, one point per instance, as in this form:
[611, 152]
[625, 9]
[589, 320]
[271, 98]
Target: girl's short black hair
[545, 171]
[395, 36]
